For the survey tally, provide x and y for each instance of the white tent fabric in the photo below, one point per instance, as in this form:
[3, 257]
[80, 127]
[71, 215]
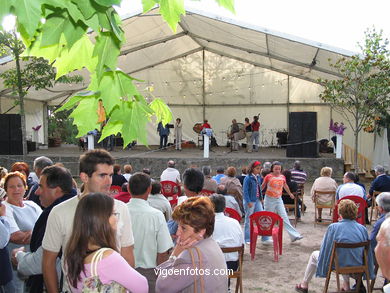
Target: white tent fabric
[381, 150]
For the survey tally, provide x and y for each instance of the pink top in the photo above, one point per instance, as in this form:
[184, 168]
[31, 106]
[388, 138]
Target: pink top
[115, 268]
[274, 185]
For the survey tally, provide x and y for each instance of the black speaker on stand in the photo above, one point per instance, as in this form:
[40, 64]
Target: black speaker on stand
[302, 135]
[10, 135]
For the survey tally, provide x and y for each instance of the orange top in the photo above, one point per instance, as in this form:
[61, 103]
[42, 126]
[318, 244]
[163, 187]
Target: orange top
[274, 185]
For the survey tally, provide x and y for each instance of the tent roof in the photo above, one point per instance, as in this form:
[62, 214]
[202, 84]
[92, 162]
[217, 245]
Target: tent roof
[150, 42]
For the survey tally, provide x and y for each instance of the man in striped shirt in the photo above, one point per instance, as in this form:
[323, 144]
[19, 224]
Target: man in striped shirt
[297, 174]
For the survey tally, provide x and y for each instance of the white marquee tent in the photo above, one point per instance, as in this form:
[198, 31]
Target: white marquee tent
[218, 69]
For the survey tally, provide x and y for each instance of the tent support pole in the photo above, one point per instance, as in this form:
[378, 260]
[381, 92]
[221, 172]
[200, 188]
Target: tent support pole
[203, 86]
[288, 102]
[45, 111]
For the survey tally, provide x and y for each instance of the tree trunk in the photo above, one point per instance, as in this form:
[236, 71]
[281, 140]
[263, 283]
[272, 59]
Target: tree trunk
[355, 158]
[21, 103]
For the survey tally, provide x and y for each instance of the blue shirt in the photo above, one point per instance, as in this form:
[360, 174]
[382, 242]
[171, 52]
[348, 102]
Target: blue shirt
[218, 177]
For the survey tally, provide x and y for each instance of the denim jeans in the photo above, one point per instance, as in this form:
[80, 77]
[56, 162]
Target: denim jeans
[276, 205]
[255, 140]
[256, 207]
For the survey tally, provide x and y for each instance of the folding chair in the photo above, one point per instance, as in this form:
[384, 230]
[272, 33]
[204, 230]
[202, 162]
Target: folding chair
[236, 274]
[294, 205]
[374, 205]
[264, 224]
[301, 193]
[232, 213]
[170, 189]
[359, 269]
[318, 205]
[373, 280]
[361, 204]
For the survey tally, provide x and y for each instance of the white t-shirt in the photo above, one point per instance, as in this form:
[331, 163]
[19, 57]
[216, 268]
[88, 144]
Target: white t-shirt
[228, 233]
[60, 224]
[350, 189]
[170, 174]
[22, 218]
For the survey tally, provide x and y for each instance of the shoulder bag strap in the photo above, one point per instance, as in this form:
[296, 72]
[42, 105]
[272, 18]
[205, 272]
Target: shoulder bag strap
[97, 257]
[200, 267]
[193, 266]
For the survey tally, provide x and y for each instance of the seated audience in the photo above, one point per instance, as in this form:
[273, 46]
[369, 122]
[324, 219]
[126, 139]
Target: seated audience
[151, 235]
[117, 177]
[21, 215]
[231, 182]
[230, 200]
[159, 201]
[349, 187]
[196, 225]
[6, 284]
[193, 181]
[324, 183]
[209, 183]
[297, 174]
[124, 195]
[171, 173]
[127, 169]
[346, 231]
[244, 172]
[381, 182]
[220, 174]
[97, 236]
[227, 231]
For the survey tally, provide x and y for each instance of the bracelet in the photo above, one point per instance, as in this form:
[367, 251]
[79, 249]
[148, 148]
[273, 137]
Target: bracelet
[173, 257]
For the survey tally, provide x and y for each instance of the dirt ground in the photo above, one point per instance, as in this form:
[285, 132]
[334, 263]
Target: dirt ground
[265, 275]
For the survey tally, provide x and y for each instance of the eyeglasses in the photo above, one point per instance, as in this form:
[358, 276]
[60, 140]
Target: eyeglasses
[116, 215]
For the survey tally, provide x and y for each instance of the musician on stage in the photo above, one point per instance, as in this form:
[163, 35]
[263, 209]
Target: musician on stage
[234, 132]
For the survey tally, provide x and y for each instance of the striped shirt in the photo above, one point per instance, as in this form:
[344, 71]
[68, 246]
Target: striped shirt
[299, 176]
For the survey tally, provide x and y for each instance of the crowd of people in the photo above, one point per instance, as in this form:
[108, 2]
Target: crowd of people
[117, 231]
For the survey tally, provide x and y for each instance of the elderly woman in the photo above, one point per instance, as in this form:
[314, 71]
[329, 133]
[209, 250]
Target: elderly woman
[345, 231]
[232, 182]
[195, 252]
[20, 214]
[24, 168]
[324, 183]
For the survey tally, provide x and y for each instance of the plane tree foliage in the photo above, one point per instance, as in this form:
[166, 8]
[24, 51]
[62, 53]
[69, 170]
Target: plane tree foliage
[77, 34]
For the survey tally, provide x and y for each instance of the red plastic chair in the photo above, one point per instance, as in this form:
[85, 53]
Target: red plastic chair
[114, 190]
[361, 204]
[232, 213]
[206, 192]
[170, 189]
[263, 224]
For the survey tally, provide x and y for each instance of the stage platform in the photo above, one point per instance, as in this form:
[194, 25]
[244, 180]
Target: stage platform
[142, 157]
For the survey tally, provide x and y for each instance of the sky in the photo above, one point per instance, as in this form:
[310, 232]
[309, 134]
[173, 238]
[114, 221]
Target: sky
[339, 23]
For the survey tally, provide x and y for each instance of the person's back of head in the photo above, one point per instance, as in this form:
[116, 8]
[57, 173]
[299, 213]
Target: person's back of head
[297, 165]
[127, 169]
[117, 168]
[267, 166]
[231, 171]
[89, 160]
[57, 176]
[124, 187]
[220, 170]
[379, 170]
[244, 170]
[221, 189]
[383, 201]
[139, 184]
[348, 209]
[206, 170]
[350, 177]
[193, 180]
[156, 188]
[21, 167]
[171, 164]
[219, 202]
[40, 163]
[146, 171]
[326, 172]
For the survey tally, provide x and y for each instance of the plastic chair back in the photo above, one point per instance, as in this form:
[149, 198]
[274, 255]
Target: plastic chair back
[114, 190]
[206, 192]
[170, 189]
[232, 213]
[173, 203]
[361, 204]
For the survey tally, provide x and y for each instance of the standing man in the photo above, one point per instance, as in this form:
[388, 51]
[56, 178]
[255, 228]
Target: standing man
[178, 134]
[152, 238]
[55, 186]
[255, 132]
[96, 170]
[163, 132]
[234, 134]
[39, 164]
[171, 173]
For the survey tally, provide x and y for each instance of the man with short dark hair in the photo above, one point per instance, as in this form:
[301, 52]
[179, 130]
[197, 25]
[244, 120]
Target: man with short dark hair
[349, 187]
[159, 201]
[297, 174]
[193, 181]
[227, 231]
[55, 187]
[209, 183]
[96, 169]
[381, 182]
[39, 164]
[171, 173]
[152, 239]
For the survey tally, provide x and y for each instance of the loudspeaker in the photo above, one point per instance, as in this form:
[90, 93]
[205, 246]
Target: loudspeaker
[302, 135]
[10, 135]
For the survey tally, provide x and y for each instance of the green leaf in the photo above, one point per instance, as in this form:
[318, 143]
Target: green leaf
[74, 12]
[73, 32]
[50, 52]
[74, 100]
[171, 10]
[107, 51]
[86, 8]
[28, 14]
[85, 115]
[108, 3]
[161, 110]
[79, 56]
[5, 9]
[52, 30]
[93, 22]
[114, 23]
[148, 4]
[228, 4]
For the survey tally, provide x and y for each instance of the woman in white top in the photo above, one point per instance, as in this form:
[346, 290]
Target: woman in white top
[178, 134]
[21, 215]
